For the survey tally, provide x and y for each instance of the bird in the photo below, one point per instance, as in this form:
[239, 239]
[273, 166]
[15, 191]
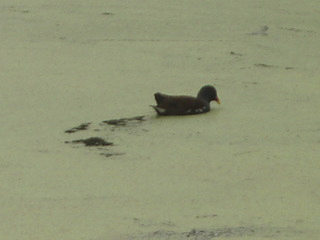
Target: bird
[186, 105]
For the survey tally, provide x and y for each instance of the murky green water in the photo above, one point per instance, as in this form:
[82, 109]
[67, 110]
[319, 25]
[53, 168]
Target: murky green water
[248, 169]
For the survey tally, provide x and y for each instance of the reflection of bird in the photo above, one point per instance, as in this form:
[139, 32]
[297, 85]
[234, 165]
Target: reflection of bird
[185, 105]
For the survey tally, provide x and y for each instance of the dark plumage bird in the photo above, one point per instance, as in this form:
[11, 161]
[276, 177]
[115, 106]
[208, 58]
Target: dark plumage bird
[186, 105]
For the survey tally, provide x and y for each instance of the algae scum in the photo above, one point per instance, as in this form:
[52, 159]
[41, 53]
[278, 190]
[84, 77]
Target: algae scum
[107, 128]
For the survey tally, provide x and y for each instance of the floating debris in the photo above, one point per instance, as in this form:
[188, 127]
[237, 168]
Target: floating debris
[124, 121]
[206, 234]
[236, 54]
[107, 13]
[92, 142]
[98, 142]
[271, 66]
[83, 126]
[297, 30]
[263, 65]
[111, 154]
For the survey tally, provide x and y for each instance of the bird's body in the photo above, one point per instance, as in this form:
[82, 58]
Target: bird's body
[186, 105]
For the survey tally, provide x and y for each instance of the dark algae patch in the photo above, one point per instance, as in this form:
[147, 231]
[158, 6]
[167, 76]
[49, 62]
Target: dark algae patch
[92, 142]
[106, 130]
[209, 234]
[167, 231]
[81, 127]
[124, 121]
[263, 65]
[110, 154]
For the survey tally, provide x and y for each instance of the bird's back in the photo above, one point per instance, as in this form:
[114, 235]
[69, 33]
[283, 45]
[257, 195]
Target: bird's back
[179, 105]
